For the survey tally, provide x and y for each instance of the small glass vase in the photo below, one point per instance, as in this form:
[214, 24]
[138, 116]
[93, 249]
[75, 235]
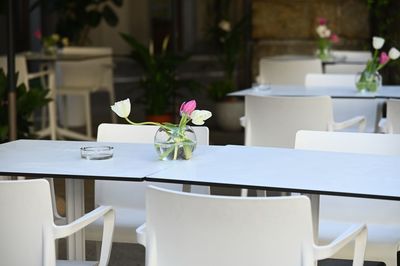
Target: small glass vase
[175, 143]
[49, 50]
[367, 81]
[324, 53]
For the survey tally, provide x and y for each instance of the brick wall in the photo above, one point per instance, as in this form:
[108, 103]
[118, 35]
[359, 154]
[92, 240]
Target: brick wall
[288, 26]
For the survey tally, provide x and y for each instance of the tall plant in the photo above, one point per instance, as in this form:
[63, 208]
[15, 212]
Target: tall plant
[159, 81]
[27, 103]
[229, 41]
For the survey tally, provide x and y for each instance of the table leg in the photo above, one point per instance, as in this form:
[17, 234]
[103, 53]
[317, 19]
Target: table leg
[52, 104]
[75, 195]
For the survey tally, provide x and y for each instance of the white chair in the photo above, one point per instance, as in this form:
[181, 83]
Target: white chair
[287, 70]
[235, 231]
[346, 108]
[381, 216]
[24, 76]
[393, 116]
[128, 198]
[81, 78]
[274, 121]
[27, 229]
[353, 62]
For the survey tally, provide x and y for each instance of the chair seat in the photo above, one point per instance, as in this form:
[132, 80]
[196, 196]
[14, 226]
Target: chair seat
[76, 263]
[126, 222]
[383, 239]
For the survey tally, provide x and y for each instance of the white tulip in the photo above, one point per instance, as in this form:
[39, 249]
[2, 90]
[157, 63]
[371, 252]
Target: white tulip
[122, 108]
[394, 53]
[225, 25]
[321, 30]
[378, 42]
[199, 116]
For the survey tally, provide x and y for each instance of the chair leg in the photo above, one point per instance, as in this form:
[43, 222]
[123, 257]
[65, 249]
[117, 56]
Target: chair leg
[88, 115]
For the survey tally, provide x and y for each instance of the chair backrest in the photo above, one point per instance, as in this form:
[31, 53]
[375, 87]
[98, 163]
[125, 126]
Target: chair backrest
[124, 194]
[393, 116]
[95, 73]
[274, 121]
[227, 231]
[344, 109]
[354, 209]
[20, 67]
[291, 71]
[330, 80]
[26, 223]
[353, 62]
[352, 56]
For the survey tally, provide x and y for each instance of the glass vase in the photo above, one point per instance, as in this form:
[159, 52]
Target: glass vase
[324, 53]
[175, 143]
[367, 81]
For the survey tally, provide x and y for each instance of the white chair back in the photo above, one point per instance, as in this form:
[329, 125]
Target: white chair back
[381, 216]
[274, 121]
[128, 198]
[287, 71]
[330, 80]
[20, 67]
[393, 116]
[344, 109]
[352, 56]
[353, 62]
[227, 231]
[26, 223]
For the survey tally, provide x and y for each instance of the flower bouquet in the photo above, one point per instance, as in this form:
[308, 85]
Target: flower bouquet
[171, 141]
[369, 79]
[52, 42]
[325, 39]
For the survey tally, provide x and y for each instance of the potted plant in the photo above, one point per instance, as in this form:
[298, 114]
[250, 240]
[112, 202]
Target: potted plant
[27, 103]
[159, 81]
[229, 41]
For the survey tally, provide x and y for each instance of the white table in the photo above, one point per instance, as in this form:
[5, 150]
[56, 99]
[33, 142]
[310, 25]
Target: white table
[347, 101]
[54, 131]
[329, 173]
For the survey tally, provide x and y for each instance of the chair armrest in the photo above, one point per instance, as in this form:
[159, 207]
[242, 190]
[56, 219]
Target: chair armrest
[108, 229]
[360, 120]
[38, 74]
[357, 233]
[71, 228]
[141, 234]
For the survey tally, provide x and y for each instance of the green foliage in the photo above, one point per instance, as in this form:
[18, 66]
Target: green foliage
[160, 82]
[27, 103]
[228, 38]
[384, 21]
[77, 17]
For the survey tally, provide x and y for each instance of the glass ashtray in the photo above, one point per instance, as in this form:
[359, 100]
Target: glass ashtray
[97, 152]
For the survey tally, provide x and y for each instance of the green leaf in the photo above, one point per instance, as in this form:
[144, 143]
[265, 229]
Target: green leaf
[110, 16]
[118, 3]
[93, 18]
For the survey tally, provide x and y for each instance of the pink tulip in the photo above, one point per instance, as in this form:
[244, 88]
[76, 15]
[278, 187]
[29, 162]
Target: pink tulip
[188, 107]
[335, 38]
[38, 34]
[384, 58]
[322, 21]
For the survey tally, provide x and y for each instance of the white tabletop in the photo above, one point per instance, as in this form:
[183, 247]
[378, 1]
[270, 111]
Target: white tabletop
[373, 176]
[292, 170]
[334, 92]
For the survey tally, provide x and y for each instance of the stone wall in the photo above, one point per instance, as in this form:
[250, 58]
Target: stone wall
[288, 26]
